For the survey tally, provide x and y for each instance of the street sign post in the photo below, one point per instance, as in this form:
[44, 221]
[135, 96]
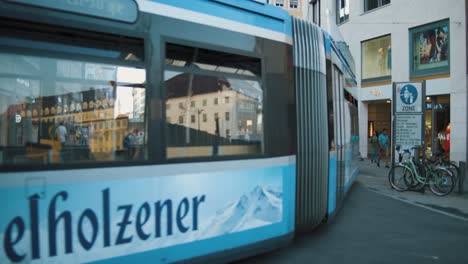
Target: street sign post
[408, 117]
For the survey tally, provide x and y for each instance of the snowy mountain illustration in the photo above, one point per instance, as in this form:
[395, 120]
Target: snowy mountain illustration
[262, 206]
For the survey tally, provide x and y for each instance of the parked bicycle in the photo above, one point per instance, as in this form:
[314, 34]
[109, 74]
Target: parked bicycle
[441, 161]
[409, 175]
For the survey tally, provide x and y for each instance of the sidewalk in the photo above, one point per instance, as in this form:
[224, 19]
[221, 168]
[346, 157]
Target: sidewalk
[376, 179]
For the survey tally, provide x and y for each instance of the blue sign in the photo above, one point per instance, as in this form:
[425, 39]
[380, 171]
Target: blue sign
[119, 10]
[408, 94]
[408, 98]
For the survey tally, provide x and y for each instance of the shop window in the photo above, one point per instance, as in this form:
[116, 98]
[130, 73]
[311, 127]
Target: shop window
[376, 59]
[437, 125]
[430, 49]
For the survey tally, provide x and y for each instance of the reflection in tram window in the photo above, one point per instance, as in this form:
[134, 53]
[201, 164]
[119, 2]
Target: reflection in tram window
[70, 110]
[232, 126]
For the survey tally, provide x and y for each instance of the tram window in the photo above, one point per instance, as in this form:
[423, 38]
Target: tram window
[203, 132]
[217, 61]
[74, 105]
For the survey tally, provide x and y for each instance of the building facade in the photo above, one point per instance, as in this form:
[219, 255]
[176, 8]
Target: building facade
[408, 41]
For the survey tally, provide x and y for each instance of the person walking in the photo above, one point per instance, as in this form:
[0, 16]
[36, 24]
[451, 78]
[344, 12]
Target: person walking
[61, 136]
[374, 141]
[383, 143]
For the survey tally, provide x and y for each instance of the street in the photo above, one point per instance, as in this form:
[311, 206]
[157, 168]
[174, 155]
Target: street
[375, 227]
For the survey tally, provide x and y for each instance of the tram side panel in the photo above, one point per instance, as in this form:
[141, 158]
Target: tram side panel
[312, 155]
[164, 210]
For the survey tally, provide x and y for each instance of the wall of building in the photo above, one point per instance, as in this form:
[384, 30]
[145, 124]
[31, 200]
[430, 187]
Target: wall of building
[396, 19]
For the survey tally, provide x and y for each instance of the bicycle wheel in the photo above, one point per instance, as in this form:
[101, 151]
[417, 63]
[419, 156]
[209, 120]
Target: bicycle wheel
[397, 175]
[441, 181]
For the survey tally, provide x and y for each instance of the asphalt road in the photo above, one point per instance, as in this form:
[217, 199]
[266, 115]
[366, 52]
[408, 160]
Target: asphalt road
[373, 228]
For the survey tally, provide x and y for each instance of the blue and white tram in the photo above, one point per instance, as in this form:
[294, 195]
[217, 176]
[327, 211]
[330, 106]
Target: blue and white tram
[167, 130]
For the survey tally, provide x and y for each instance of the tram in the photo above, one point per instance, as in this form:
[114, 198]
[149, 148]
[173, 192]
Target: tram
[167, 130]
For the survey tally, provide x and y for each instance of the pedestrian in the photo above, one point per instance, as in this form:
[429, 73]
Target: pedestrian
[61, 136]
[383, 143]
[374, 141]
[129, 144]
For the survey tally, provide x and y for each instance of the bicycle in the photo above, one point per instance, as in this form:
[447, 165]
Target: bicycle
[408, 175]
[448, 164]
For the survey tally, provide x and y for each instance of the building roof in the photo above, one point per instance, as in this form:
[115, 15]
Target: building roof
[178, 86]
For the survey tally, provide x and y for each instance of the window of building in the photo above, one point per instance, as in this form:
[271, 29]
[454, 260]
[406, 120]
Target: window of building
[373, 4]
[181, 105]
[437, 125]
[181, 119]
[227, 116]
[226, 99]
[228, 133]
[313, 12]
[293, 3]
[279, 2]
[342, 11]
[192, 104]
[430, 49]
[376, 59]
[218, 72]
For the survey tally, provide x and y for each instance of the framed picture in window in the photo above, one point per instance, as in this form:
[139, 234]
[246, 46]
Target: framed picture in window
[430, 49]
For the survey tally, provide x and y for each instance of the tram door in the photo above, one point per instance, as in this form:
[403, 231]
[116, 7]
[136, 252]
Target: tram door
[339, 123]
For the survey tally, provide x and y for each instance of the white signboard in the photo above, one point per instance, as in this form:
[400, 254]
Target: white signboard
[408, 130]
[408, 98]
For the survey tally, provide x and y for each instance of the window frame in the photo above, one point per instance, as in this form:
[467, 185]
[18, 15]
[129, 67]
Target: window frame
[279, 3]
[383, 78]
[341, 19]
[294, 5]
[436, 70]
[260, 79]
[380, 4]
[69, 55]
